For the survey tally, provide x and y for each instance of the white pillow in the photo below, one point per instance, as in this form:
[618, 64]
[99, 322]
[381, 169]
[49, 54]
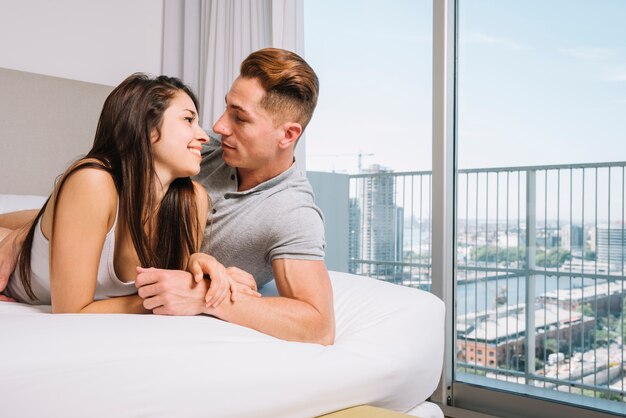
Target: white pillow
[13, 202]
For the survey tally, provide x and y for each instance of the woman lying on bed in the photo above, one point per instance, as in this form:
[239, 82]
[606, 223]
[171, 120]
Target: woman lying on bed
[129, 202]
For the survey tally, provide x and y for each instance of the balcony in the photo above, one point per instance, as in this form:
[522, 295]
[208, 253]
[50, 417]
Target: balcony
[539, 269]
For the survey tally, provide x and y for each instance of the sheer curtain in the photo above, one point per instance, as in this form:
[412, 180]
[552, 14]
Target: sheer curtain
[204, 42]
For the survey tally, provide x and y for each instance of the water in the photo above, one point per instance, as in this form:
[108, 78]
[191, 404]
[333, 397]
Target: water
[481, 295]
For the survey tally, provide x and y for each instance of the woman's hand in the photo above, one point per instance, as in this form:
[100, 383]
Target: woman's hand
[221, 283]
[245, 281]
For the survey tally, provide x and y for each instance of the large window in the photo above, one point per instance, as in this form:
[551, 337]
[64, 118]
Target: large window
[369, 145]
[539, 182]
[540, 209]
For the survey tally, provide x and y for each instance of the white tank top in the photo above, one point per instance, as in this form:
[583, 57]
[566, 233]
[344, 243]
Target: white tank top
[108, 284]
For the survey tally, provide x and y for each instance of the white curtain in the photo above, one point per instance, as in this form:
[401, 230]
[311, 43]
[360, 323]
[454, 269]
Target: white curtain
[205, 41]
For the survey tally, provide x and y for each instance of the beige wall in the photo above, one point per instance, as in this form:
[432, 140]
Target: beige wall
[45, 124]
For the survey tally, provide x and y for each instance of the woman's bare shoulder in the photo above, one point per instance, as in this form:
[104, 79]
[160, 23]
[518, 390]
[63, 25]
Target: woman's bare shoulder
[87, 191]
[91, 178]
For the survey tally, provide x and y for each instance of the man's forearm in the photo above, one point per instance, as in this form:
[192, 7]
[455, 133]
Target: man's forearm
[304, 312]
[292, 317]
[281, 317]
[16, 220]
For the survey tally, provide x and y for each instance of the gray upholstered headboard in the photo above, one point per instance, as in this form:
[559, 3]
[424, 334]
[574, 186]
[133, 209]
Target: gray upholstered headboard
[45, 124]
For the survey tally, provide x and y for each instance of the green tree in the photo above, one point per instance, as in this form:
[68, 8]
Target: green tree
[585, 309]
[551, 346]
[552, 258]
[492, 254]
[611, 396]
[603, 337]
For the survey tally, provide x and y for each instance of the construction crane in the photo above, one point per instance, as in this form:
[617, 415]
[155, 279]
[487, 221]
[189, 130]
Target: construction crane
[360, 156]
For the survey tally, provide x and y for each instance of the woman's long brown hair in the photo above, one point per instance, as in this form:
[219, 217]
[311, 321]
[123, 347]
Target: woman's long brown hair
[164, 233]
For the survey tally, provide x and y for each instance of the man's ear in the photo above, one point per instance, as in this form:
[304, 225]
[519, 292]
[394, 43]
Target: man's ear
[292, 132]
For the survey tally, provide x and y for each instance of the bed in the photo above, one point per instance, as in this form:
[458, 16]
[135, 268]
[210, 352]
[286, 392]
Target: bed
[388, 351]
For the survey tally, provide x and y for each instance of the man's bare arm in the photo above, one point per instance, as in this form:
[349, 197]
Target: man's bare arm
[303, 311]
[16, 220]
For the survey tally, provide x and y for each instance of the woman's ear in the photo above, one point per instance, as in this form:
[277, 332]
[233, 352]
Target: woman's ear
[292, 132]
[154, 136]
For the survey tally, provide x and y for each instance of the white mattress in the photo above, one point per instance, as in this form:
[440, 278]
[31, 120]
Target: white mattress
[388, 353]
[13, 202]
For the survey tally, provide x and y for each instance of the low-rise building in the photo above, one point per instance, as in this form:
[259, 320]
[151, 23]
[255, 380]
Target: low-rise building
[497, 337]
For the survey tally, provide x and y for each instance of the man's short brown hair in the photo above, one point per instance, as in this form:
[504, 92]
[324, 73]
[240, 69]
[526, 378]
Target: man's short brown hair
[291, 86]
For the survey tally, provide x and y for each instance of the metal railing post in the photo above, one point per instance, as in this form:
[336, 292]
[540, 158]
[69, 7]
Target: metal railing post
[531, 244]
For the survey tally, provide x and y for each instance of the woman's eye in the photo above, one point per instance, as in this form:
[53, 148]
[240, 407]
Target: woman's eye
[189, 119]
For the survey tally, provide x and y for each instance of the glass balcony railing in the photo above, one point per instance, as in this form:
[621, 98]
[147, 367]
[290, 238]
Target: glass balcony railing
[540, 289]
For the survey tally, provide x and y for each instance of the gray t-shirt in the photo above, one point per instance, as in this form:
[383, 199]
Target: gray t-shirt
[276, 219]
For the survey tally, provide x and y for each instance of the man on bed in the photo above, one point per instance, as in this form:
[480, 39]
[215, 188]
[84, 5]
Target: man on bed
[264, 220]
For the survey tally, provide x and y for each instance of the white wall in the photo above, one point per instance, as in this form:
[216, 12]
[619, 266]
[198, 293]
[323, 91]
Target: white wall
[95, 41]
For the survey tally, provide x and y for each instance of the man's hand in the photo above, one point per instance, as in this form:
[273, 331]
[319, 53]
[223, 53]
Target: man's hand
[175, 292]
[171, 292]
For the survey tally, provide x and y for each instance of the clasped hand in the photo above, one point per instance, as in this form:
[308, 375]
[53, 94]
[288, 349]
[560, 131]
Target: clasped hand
[176, 292]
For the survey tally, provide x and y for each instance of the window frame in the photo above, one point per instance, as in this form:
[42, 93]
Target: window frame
[459, 399]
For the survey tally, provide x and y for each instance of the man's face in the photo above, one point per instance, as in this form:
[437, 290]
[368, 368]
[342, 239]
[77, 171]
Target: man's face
[249, 138]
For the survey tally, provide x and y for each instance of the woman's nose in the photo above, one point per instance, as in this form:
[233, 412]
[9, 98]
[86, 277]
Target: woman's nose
[201, 135]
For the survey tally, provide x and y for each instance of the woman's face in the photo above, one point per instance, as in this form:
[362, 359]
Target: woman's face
[177, 151]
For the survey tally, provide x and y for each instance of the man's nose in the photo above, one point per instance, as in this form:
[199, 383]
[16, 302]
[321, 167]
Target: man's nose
[221, 127]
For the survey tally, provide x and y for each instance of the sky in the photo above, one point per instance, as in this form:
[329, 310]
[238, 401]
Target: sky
[374, 62]
[540, 82]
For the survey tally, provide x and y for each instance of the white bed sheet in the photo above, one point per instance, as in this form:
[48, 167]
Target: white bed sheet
[388, 353]
[13, 202]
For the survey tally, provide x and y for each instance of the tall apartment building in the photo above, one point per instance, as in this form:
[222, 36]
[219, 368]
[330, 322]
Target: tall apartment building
[381, 224]
[611, 244]
[354, 239]
[572, 238]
